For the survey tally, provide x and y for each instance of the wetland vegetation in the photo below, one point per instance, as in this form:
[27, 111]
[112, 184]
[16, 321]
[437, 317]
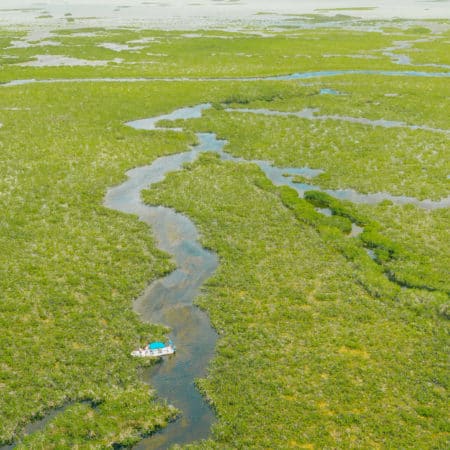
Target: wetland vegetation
[320, 346]
[316, 346]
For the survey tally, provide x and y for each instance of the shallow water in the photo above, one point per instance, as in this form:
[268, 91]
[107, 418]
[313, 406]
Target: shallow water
[325, 211]
[328, 91]
[356, 230]
[189, 14]
[27, 44]
[120, 47]
[61, 60]
[405, 60]
[310, 114]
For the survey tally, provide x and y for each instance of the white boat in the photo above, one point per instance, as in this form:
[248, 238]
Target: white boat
[155, 350]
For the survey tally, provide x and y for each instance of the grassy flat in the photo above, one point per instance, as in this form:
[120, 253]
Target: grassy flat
[320, 346]
[156, 54]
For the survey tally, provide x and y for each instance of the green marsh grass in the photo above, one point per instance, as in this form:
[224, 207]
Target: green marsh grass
[373, 97]
[431, 52]
[357, 357]
[307, 355]
[172, 54]
[409, 242]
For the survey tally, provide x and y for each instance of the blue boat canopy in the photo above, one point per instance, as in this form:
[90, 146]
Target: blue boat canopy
[156, 345]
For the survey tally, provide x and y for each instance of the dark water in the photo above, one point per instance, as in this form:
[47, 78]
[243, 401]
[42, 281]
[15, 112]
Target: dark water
[40, 424]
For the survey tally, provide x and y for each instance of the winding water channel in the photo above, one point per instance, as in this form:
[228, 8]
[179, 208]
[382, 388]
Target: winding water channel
[170, 301]
[310, 114]
[282, 176]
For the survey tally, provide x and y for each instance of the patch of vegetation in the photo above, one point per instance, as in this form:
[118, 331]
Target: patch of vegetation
[355, 8]
[374, 97]
[121, 421]
[300, 179]
[430, 52]
[321, 18]
[418, 30]
[411, 243]
[422, 236]
[171, 54]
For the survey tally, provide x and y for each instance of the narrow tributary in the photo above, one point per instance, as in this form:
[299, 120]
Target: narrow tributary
[293, 76]
[169, 301]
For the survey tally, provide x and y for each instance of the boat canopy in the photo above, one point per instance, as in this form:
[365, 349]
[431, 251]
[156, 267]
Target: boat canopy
[156, 345]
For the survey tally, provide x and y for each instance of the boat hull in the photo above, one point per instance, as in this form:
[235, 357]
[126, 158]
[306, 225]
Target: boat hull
[153, 353]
